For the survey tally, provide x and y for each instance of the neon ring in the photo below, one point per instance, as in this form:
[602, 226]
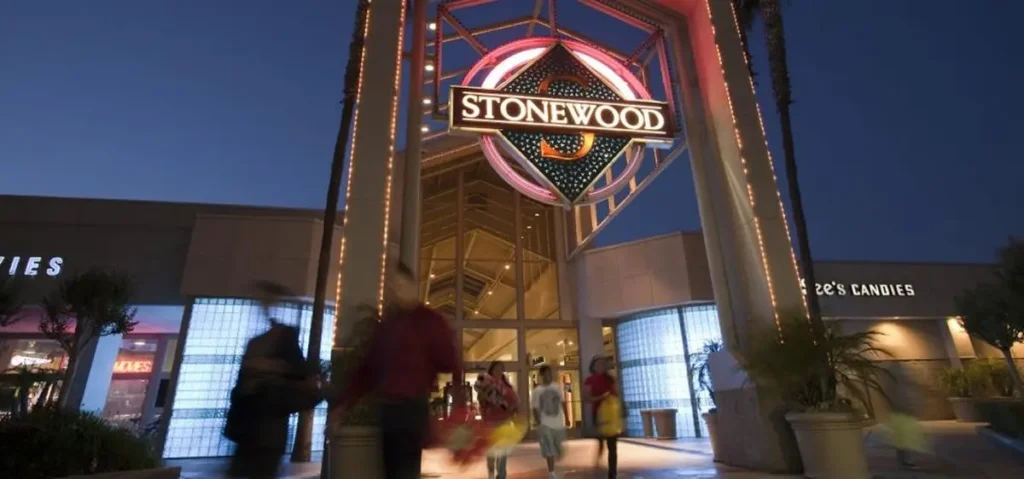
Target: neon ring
[508, 58]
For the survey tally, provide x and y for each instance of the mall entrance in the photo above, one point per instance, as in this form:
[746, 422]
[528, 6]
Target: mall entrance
[489, 260]
[496, 241]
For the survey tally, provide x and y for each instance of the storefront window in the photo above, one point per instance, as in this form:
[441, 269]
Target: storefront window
[540, 266]
[554, 347]
[125, 401]
[31, 353]
[485, 345]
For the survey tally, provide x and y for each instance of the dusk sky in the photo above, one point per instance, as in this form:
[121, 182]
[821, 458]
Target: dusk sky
[907, 116]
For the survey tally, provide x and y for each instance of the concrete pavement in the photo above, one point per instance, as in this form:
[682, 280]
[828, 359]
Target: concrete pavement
[958, 453]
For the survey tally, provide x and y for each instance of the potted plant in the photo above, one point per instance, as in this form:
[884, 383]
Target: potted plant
[958, 392]
[353, 435]
[807, 368]
[699, 368]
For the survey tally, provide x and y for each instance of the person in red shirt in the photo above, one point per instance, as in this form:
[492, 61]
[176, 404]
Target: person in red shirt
[598, 387]
[409, 348]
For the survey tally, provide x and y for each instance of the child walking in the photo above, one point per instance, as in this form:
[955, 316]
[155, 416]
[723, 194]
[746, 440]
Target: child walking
[549, 415]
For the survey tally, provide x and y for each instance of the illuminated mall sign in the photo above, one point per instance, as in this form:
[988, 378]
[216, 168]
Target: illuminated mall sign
[31, 265]
[563, 112]
[835, 288]
[483, 110]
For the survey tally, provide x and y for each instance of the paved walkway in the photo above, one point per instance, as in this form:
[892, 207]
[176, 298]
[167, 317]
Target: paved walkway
[959, 453]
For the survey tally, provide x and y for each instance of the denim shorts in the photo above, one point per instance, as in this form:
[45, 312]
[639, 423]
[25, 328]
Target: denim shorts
[551, 440]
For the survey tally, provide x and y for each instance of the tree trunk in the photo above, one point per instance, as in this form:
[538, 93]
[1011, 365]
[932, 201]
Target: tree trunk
[1018, 384]
[304, 429]
[775, 38]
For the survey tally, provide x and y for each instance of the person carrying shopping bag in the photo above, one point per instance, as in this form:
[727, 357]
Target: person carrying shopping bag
[600, 391]
[498, 405]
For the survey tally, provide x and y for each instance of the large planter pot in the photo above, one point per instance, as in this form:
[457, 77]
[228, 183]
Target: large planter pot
[966, 410]
[711, 421]
[159, 473]
[648, 422]
[664, 423]
[831, 445]
[354, 454]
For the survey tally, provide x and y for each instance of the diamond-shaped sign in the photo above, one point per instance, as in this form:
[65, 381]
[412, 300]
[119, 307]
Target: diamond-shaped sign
[560, 119]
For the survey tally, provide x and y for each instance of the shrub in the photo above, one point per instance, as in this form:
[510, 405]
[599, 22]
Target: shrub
[989, 378]
[49, 442]
[954, 382]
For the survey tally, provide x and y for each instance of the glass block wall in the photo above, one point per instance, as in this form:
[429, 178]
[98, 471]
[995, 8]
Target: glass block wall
[701, 325]
[214, 343]
[653, 364]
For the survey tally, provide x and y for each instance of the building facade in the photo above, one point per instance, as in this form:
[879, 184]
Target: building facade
[648, 303]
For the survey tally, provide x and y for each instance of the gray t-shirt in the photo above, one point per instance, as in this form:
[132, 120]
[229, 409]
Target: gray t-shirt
[547, 400]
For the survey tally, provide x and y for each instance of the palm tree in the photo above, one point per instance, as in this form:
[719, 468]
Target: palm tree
[775, 39]
[304, 429]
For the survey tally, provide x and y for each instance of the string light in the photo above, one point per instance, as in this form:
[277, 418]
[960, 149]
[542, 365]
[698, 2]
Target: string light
[743, 162]
[432, 26]
[427, 101]
[424, 128]
[429, 67]
[391, 159]
[351, 173]
[771, 163]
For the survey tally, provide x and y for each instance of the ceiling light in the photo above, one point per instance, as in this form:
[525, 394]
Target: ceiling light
[432, 26]
[424, 128]
[432, 276]
[507, 266]
[536, 214]
[490, 293]
[429, 67]
[426, 101]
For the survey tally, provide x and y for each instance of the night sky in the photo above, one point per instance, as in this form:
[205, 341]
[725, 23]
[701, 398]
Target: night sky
[907, 115]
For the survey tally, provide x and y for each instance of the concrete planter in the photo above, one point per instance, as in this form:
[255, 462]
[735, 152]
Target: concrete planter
[159, 473]
[648, 422]
[354, 454]
[711, 421]
[831, 445]
[664, 423]
[966, 410]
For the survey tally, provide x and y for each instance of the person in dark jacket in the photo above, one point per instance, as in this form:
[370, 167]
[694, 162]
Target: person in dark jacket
[409, 348]
[273, 383]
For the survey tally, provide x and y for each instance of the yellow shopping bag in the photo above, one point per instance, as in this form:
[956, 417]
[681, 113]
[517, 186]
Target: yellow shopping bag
[609, 416]
[508, 435]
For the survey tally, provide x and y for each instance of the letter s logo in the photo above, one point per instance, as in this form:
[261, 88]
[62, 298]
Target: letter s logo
[54, 266]
[548, 151]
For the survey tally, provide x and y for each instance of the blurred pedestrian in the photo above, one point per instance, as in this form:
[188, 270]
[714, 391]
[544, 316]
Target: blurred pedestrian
[408, 349]
[903, 433]
[498, 404]
[548, 404]
[598, 388]
[273, 383]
